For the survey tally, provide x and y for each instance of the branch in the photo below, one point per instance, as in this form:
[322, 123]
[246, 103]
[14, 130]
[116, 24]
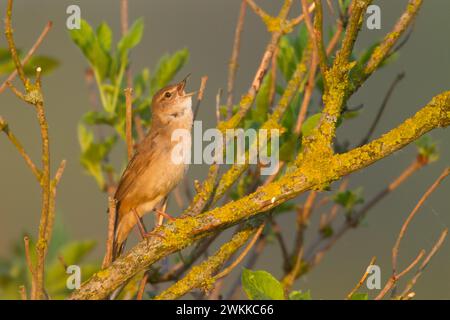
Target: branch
[202, 276]
[200, 94]
[295, 85]
[12, 46]
[5, 128]
[30, 53]
[315, 32]
[402, 232]
[247, 100]
[337, 89]
[110, 239]
[34, 97]
[383, 50]
[183, 232]
[234, 57]
[424, 264]
[388, 95]
[395, 250]
[317, 249]
[129, 121]
[363, 279]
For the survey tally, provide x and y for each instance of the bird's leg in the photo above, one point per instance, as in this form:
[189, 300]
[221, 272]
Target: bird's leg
[142, 231]
[162, 208]
[140, 224]
[164, 214]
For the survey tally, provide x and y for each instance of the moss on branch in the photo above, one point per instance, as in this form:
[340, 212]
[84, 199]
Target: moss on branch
[202, 275]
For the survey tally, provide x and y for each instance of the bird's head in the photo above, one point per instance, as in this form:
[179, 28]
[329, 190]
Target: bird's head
[172, 102]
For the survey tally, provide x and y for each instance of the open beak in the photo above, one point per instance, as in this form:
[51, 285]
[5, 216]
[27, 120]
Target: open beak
[182, 84]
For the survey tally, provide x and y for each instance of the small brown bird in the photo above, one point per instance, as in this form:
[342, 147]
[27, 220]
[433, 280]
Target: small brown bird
[151, 173]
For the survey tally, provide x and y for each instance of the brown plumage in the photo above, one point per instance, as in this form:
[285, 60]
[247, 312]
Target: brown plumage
[152, 173]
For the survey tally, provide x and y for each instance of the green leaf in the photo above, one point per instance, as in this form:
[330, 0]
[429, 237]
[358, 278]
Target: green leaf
[132, 38]
[262, 100]
[85, 137]
[96, 117]
[87, 41]
[71, 254]
[359, 296]
[261, 285]
[104, 35]
[298, 295]
[286, 58]
[167, 68]
[5, 55]
[427, 148]
[93, 156]
[289, 147]
[310, 123]
[47, 64]
[301, 41]
[74, 252]
[348, 199]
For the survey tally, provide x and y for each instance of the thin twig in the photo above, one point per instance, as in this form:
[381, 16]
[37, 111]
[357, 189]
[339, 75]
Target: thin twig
[244, 253]
[383, 49]
[200, 94]
[218, 97]
[29, 54]
[406, 292]
[142, 285]
[257, 9]
[12, 46]
[23, 293]
[233, 65]
[202, 275]
[419, 204]
[301, 17]
[363, 279]
[124, 29]
[279, 236]
[129, 121]
[395, 277]
[26, 241]
[323, 244]
[388, 95]
[110, 239]
[139, 127]
[15, 141]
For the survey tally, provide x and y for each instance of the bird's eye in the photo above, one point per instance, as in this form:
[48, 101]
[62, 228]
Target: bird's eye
[167, 94]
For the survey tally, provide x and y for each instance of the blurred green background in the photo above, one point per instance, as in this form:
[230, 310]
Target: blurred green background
[206, 28]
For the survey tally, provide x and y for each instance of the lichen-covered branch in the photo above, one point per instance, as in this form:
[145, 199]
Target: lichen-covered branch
[309, 175]
[202, 275]
[295, 85]
[338, 83]
[33, 95]
[385, 47]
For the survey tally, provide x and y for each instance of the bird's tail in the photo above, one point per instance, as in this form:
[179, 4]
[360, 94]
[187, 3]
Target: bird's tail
[118, 248]
[118, 244]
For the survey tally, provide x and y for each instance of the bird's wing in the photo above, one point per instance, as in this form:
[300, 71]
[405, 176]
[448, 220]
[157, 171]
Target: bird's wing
[139, 162]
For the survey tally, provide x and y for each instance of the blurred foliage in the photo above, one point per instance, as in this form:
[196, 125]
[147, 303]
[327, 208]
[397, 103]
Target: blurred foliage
[261, 285]
[48, 64]
[427, 148]
[359, 296]
[109, 62]
[348, 199]
[14, 271]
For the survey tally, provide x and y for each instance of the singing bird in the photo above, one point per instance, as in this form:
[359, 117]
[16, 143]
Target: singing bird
[152, 172]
